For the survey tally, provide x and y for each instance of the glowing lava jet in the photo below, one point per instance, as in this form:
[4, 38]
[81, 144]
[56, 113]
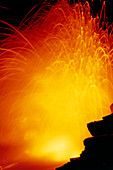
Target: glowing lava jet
[56, 75]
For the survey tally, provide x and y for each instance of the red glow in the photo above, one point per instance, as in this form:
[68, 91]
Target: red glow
[55, 77]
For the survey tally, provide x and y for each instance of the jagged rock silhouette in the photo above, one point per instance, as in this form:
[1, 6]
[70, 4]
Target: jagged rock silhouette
[98, 153]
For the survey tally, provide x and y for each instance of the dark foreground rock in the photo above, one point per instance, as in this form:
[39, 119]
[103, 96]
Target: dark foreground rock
[98, 153]
[101, 127]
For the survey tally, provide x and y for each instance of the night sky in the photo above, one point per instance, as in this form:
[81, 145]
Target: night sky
[13, 11]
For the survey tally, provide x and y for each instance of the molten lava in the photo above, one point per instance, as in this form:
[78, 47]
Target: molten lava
[56, 75]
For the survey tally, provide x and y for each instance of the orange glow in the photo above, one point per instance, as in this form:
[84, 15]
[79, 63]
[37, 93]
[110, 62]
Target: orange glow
[55, 76]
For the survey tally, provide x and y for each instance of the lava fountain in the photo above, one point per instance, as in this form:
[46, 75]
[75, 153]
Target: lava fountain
[56, 75]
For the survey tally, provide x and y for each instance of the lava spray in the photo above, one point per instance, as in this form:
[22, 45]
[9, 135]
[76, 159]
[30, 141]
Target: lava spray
[56, 75]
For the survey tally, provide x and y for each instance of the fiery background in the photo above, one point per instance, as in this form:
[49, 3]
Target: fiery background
[56, 75]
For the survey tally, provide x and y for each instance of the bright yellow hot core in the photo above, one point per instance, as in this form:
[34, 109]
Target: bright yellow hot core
[56, 76]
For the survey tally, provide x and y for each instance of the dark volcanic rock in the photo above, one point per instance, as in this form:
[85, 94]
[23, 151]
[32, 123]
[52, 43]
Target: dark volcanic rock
[98, 153]
[98, 149]
[101, 127]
